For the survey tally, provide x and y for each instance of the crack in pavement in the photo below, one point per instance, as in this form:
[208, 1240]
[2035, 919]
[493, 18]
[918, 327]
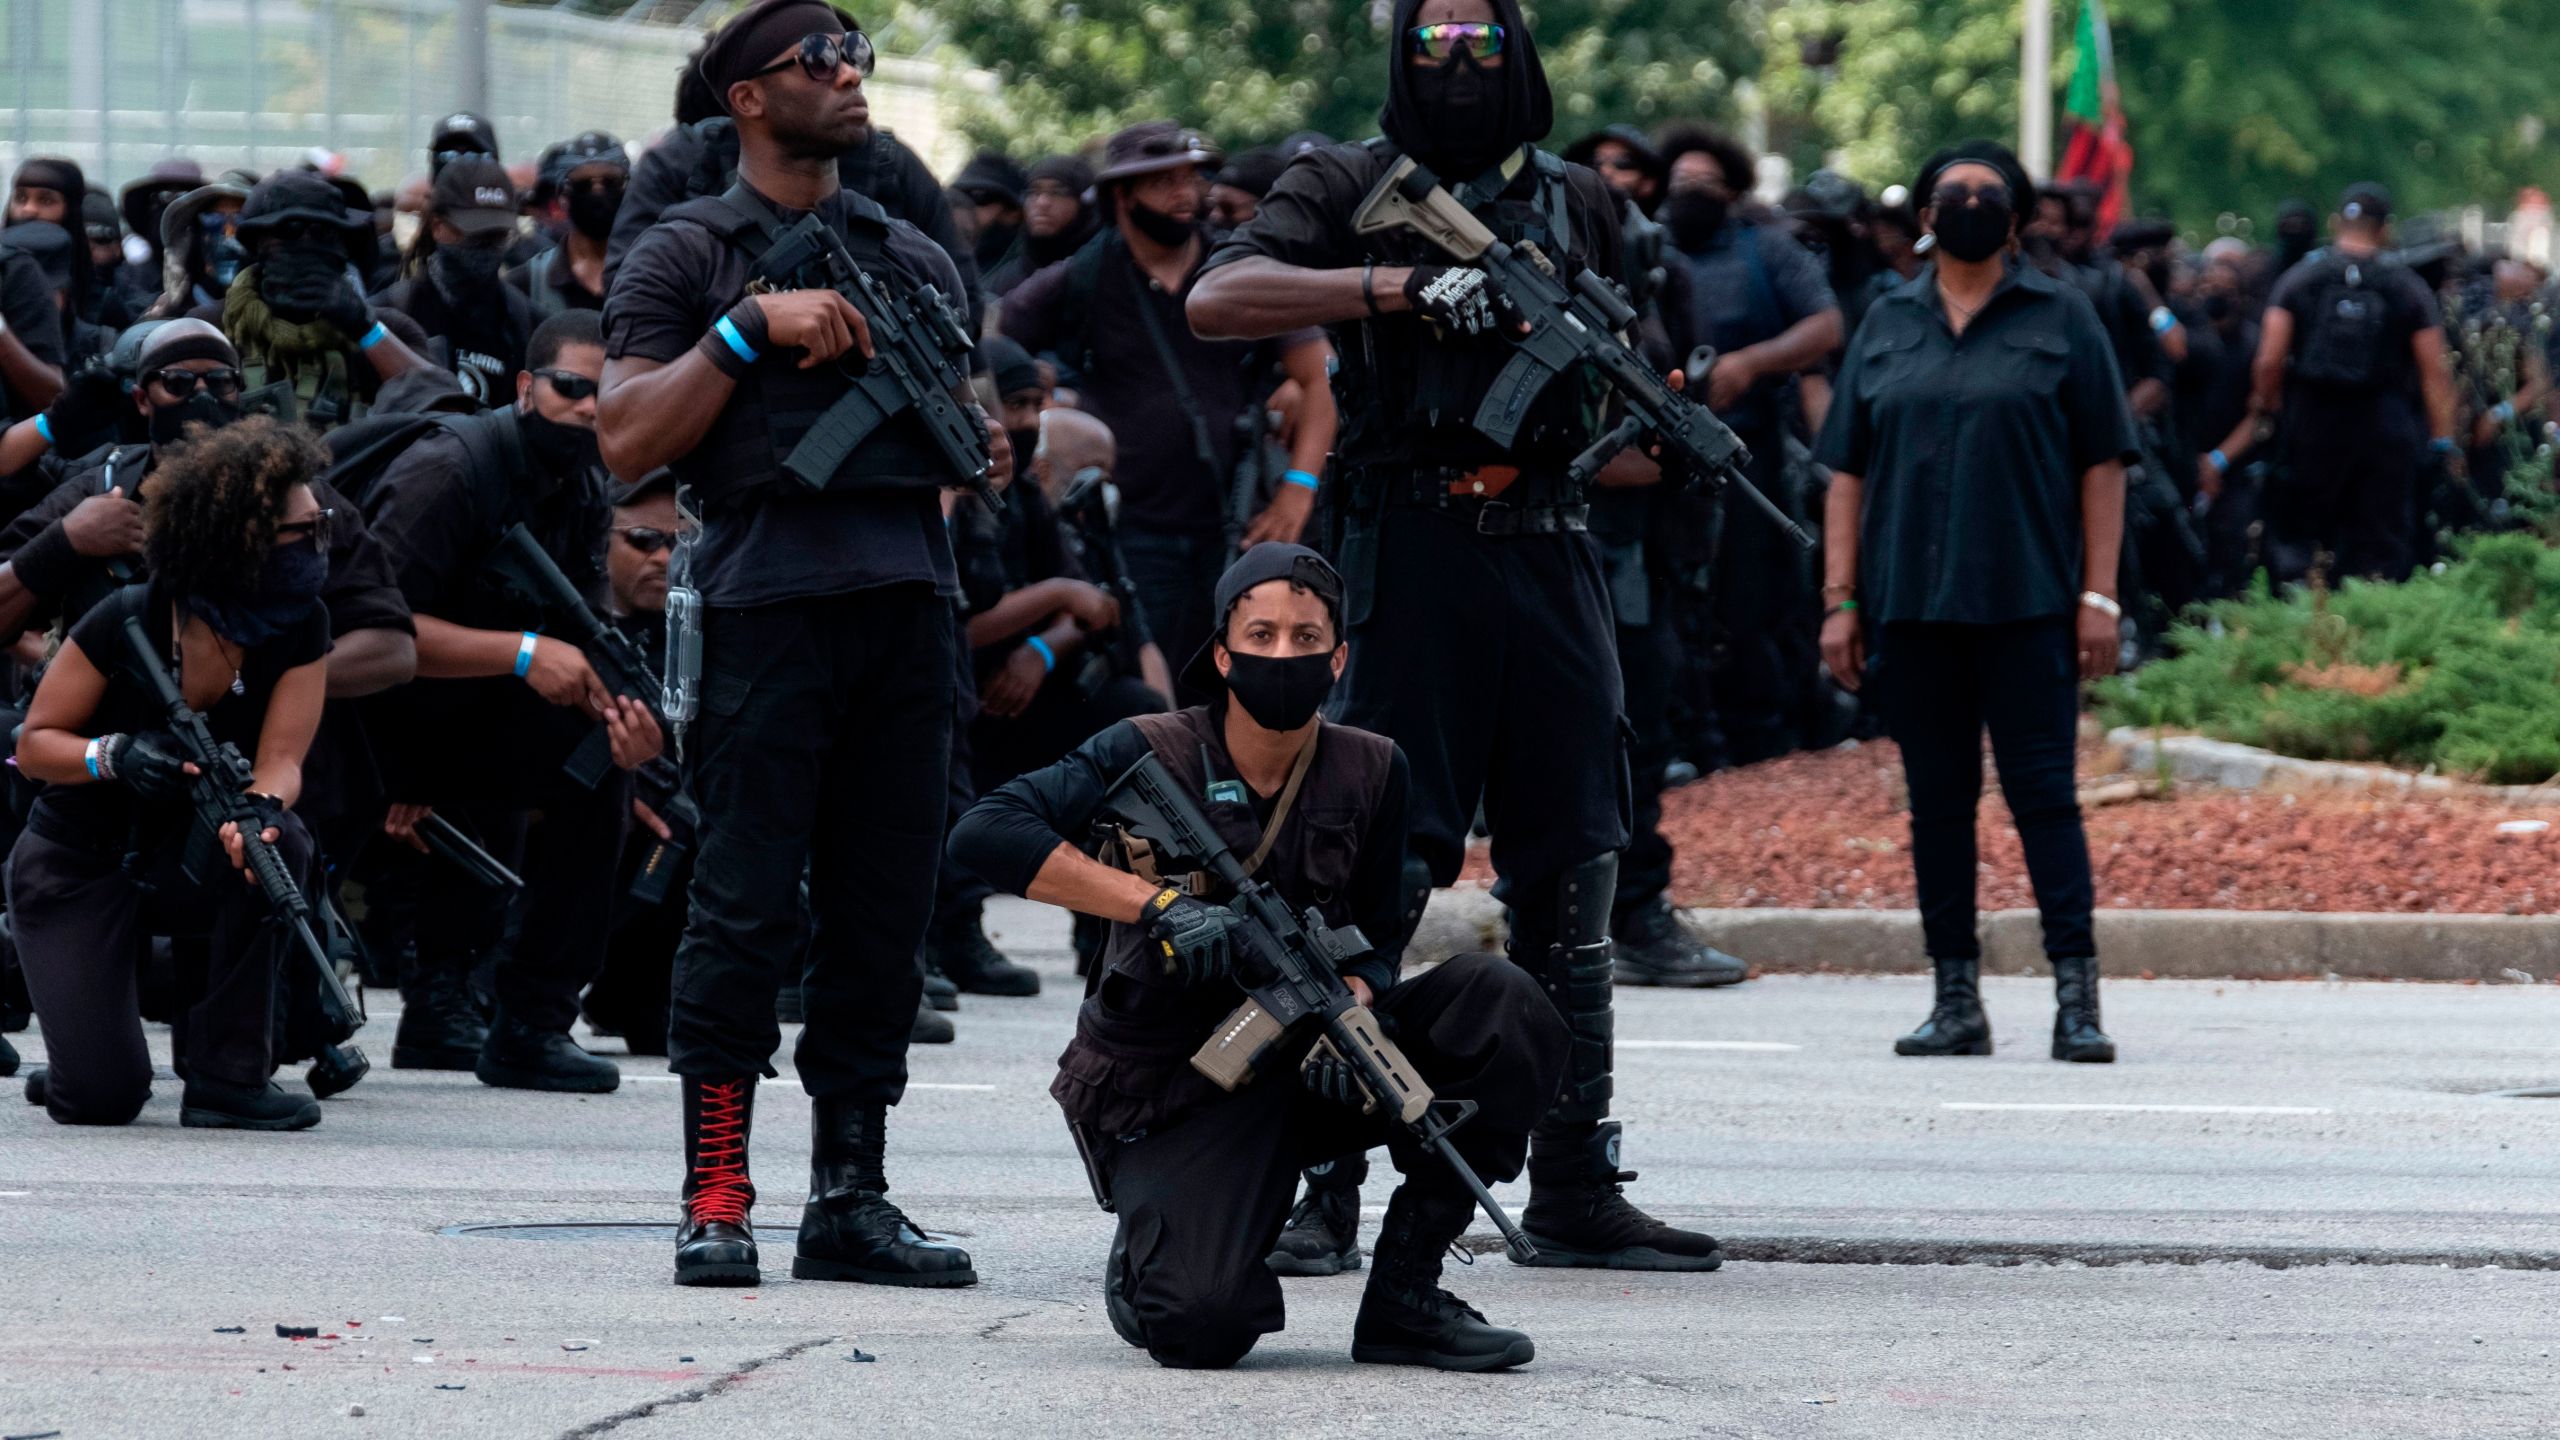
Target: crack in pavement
[699, 1393]
[988, 1331]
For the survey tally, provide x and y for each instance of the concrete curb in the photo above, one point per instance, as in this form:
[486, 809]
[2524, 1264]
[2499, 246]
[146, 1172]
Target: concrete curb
[2245, 767]
[2188, 944]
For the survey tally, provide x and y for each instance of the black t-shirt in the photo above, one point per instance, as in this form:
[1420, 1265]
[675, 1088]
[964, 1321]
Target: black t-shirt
[2408, 308]
[26, 303]
[437, 517]
[782, 542]
[483, 342]
[1972, 449]
[1408, 398]
[1751, 283]
[557, 281]
[1163, 484]
[104, 814]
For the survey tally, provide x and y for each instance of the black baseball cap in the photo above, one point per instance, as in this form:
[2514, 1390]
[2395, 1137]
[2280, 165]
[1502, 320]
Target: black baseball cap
[2365, 200]
[473, 195]
[1261, 565]
[463, 133]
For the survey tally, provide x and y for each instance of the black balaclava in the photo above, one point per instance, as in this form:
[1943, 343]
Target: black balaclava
[1515, 107]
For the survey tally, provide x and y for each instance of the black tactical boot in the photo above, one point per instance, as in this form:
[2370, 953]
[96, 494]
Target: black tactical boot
[939, 992]
[440, 1026]
[1654, 948]
[849, 1230]
[2076, 1035]
[1580, 1219]
[1956, 1025]
[519, 1057]
[1323, 1233]
[713, 1244]
[974, 963]
[930, 1028]
[1405, 1317]
[8, 1058]
[1115, 1290]
[212, 1105]
[35, 1086]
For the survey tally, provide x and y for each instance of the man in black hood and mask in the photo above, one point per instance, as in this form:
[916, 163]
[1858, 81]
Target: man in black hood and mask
[484, 732]
[1480, 628]
[589, 174]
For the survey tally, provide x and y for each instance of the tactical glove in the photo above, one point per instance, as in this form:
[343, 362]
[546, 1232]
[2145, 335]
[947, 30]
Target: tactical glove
[1461, 300]
[149, 765]
[1194, 935]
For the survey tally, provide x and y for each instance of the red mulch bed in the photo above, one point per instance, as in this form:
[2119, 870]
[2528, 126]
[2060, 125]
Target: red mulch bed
[1830, 831]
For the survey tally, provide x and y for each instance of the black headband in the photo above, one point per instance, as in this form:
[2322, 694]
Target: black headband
[749, 42]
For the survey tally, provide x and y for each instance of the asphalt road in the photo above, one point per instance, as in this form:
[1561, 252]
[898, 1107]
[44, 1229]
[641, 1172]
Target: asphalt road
[2291, 1211]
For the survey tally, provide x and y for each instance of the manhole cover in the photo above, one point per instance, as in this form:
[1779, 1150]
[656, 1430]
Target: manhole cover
[580, 1230]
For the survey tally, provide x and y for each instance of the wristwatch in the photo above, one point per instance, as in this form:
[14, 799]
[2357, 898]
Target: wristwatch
[2102, 604]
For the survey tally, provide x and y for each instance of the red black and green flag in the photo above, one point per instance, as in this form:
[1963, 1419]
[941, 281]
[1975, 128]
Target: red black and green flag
[2095, 151]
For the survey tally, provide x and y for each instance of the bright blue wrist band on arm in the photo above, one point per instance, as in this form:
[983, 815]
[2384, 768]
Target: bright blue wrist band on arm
[44, 428]
[2442, 444]
[2506, 411]
[1048, 657]
[89, 757]
[524, 655]
[1301, 477]
[372, 337]
[2220, 460]
[737, 343]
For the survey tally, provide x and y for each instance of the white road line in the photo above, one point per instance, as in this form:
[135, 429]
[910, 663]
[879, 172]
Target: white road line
[2145, 1109]
[1754, 1046]
[912, 1084]
[15, 1194]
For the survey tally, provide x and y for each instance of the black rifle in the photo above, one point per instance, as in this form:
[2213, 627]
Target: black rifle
[1290, 978]
[445, 841]
[219, 793]
[661, 789]
[1569, 328]
[920, 355]
[523, 569]
[1086, 505]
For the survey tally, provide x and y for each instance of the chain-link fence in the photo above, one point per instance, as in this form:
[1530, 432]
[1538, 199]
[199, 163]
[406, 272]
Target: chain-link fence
[119, 84]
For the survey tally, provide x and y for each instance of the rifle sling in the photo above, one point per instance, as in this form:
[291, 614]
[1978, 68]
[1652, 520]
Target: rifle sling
[1288, 797]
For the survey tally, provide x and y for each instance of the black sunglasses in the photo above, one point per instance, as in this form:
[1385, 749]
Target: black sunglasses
[222, 384]
[821, 54]
[1955, 197]
[568, 384]
[595, 184]
[317, 528]
[648, 540]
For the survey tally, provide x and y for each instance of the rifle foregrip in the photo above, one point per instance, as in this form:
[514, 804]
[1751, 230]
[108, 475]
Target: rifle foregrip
[1356, 1034]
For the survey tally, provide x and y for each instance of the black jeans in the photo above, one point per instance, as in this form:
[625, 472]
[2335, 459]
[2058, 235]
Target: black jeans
[1939, 687]
[1176, 577]
[824, 747]
[1648, 656]
[82, 924]
[2352, 489]
[1201, 1202]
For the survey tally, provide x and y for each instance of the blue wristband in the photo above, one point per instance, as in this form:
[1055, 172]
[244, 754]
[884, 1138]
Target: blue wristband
[2441, 445]
[373, 337]
[2163, 320]
[737, 343]
[2505, 411]
[44, 428]
[2220, 460]
[1301, 477]
[524, 654]
[1048, 657]
[89, 757]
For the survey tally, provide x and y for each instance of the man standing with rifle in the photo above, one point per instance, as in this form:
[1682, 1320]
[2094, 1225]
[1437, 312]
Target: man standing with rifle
[828, 665]
[1194, 1124]
[510, 716]
[1474, 426]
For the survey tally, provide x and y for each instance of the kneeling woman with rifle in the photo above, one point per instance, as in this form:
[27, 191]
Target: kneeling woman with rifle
[117, 850]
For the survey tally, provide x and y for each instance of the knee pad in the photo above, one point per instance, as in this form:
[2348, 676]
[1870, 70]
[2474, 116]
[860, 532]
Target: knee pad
[1565, 944]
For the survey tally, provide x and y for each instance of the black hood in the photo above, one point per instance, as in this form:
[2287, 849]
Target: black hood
[1529, 110]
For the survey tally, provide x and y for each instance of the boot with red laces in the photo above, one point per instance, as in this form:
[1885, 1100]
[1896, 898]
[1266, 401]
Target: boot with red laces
[714, 1245]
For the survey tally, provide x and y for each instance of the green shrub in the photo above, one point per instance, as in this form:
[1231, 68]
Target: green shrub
[2456, 671]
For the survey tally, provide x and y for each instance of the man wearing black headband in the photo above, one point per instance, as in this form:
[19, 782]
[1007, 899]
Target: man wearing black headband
[828, 667]
[1201, 1178]
[1482, 629]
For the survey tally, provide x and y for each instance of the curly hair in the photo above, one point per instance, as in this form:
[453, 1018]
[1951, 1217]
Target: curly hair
[1732, 157]
[213, 514]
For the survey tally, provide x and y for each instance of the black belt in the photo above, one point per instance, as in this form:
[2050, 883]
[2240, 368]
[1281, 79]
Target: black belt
[1530, 514]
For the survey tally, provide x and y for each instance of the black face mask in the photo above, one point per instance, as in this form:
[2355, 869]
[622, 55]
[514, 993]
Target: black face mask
[993, 241]
[563, 449]
[1166, 230]
[1465, 115]
[468, 269]
[1280, 694]
[169, 422]
[298, 281]
[1975, 232]
[1694, 217]
[289, 584]
[591, 212]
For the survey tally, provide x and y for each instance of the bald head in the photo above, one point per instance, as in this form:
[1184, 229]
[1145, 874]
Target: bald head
[1071, 440]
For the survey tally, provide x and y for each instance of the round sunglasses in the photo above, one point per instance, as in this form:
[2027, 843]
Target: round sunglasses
[819, 55]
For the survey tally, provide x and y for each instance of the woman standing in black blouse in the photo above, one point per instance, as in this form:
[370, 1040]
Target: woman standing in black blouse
[1977, 446]
[238, 551]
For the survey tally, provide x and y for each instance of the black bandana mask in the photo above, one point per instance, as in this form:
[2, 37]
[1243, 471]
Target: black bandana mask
[299, 281]
[169, 422]
[563, 449]
[1694, 217]
[1465, 115]
[289, 584]
[467, 270]
[591, 212]
[1280, 693]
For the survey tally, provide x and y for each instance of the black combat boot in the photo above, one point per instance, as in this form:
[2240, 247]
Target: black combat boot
[713, 1244]
[931, 1028]
[849, 1230]
[1956, 1025]
[440, 1025]
[2076, 1035]
[972, 960]
[8, 1058]
[1115, 1290]
[211, 1105]
[1323, 1233]
[35, 1086]
[519, 1057]
[1405, 1317]
[1579, 1218]
[1654, 948]
[939, 992]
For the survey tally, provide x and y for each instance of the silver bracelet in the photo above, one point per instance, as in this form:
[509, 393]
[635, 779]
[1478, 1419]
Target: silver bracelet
[2102, 604]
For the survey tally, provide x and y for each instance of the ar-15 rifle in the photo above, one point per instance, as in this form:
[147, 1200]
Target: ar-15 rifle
[1290, 979]
[525, 571]
[1086, 504]
[919, 357]
[1568, 328]
[219, 793]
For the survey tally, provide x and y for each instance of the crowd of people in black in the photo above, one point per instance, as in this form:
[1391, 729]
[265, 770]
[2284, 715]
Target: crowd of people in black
[493, 446]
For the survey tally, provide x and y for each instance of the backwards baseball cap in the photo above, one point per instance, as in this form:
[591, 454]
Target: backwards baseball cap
[473, 195]
[2365, 200]
[1300, 566]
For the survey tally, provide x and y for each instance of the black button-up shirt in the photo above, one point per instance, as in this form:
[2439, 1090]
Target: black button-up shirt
[1972, 448]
